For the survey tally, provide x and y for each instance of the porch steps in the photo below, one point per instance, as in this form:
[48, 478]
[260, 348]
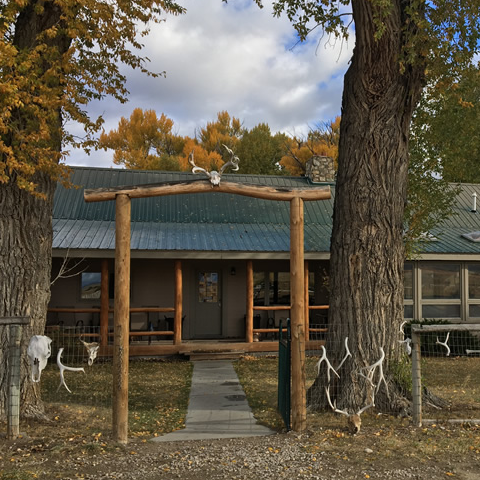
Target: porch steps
[227, 355]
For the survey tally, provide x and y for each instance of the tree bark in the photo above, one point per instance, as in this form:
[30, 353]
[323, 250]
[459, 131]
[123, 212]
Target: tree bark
[367, 250]
[26, 219]
[25, 266]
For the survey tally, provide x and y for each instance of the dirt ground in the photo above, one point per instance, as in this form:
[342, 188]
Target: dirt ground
[69, 447]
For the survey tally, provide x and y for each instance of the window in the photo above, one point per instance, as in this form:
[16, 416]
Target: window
[273, 288]
[448, 291]
[259, 288]
[473, 290]
[441, 291]
[441, 282]
[90, 288]
[408, 291]
[279, 288]
[408, 282]
[311, 288]
[208, 287]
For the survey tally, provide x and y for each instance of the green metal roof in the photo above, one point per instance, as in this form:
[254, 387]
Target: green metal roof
[193, 222]
[218, 222]
[449, 235]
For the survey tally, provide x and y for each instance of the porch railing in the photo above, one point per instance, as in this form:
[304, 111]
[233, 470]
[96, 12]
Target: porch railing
[272, 330]
[95, 334]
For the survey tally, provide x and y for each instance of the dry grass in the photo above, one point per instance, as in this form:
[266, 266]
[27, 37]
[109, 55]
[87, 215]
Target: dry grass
[391, 439]
[259, 378]
[157, 397]
[80, 423]
[457, 380]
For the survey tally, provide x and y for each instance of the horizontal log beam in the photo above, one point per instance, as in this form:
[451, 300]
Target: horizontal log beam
[96, 310]
[150, 333]
[14, 320]
[204, 186]
[270, 309]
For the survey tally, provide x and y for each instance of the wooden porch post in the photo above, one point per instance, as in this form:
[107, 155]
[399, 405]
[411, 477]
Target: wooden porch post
[249, 318]
[307, 302]
[104, 304]
[121, 318]
[297, 292]
[177, 323]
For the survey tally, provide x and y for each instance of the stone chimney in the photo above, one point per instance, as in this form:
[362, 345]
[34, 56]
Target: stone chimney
[320, 169]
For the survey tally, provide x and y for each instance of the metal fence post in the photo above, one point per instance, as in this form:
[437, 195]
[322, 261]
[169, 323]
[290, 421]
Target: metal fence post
[14, 354]
[416, 377]
[13, 421]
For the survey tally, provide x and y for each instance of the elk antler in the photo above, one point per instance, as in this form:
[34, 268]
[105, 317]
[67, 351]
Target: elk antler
[334, 405]
[233, 162]
[444, 344]
[408, 345]
[347, 354]
[329, 365]
[64, 367]
[407, 341]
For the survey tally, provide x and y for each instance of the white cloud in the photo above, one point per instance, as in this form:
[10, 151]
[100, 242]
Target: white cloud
[232, 57]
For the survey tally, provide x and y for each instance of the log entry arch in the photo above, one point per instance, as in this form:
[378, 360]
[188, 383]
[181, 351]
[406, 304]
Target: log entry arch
[123, 196]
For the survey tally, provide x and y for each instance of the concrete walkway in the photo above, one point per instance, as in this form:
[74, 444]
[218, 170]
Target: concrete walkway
[217, 406]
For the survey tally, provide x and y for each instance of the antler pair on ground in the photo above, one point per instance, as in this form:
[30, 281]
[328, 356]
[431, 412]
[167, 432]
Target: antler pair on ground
[368, 372]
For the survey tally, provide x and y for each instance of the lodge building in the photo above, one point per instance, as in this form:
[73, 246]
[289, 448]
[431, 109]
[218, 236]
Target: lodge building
[219, 258]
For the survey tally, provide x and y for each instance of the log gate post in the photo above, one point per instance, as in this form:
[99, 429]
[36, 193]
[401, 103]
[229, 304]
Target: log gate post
[177, 323]
[249, 306]
[297, 312]
[121, 318]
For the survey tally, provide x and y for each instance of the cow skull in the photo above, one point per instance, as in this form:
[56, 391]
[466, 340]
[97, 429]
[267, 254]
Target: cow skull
[38, 351]
[92, 350]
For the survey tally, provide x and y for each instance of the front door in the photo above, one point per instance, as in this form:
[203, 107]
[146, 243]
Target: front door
[208, 308]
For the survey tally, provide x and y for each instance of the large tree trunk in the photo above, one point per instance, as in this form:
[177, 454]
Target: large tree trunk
[367, 252]
[25, 265]
[26, 219]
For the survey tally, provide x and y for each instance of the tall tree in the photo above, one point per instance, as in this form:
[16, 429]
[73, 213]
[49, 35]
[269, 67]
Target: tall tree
[226, 130]
[210, 160]
[144, 142]
[259, 151]
[54, 58]
[395, 42]
[445, 126]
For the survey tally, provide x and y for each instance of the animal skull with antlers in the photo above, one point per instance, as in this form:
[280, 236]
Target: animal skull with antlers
[92, 350]
[215, 176]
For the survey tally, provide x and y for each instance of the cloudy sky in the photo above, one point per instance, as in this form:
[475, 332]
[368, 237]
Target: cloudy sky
[235, 57]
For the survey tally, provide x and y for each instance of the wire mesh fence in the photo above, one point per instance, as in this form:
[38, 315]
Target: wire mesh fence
[92, 386]
[158, 387]
[449, 370]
